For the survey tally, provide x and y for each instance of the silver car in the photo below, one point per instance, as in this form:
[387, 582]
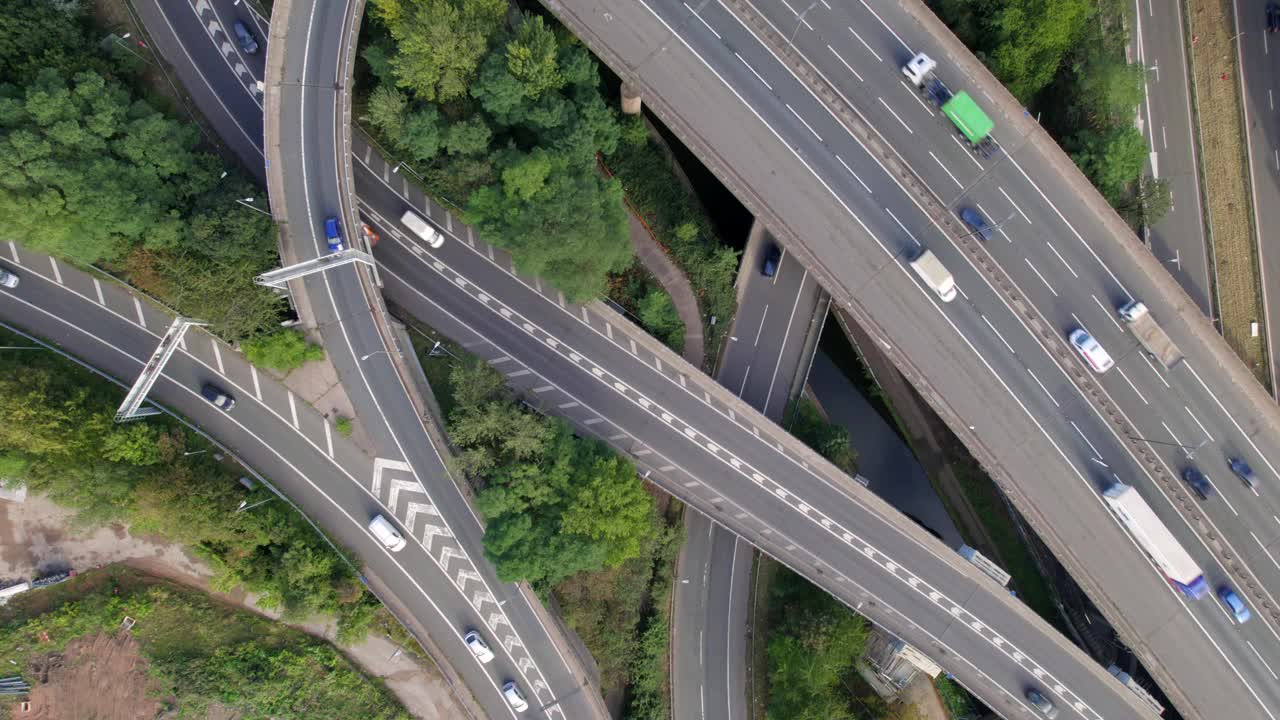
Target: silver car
[1042, 703]
[8, 279]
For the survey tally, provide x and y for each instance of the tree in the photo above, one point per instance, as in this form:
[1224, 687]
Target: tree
[133, 444]
[1147, 203]
[1111, 158]
[389, 111]
[826, 438]
[439, 43]
[571, 231]
[658, 315]
[609, 505]
[1030, 40]
[532, 57]
[468, 137]
[283, 350]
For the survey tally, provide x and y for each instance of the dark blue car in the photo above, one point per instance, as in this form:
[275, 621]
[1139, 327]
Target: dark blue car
[333, 233]
[771, 259]
[976, 222]
[1198, 482]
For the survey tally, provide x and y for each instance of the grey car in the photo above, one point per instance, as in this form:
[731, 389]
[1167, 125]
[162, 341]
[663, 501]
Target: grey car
[976, 222]
[1042, 703]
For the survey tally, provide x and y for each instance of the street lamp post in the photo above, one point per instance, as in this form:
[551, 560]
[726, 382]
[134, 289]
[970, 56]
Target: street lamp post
[244, 505]
[1188, 449]
[21, 347]
[246, 203]
[366, 356]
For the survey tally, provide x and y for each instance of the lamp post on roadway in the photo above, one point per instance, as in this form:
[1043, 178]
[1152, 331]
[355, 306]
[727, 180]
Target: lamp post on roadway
[1188, 449]
[244, 505]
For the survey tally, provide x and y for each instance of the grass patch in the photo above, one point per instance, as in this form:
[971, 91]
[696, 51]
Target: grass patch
[201, 653]
[343, 425]
[1226, 181]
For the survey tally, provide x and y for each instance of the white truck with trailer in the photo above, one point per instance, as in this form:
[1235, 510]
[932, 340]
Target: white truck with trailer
[1160, 544]
[1149, 333]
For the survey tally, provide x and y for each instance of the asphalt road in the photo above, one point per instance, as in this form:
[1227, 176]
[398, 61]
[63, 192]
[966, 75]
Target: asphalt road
[853, 217]
[891, 568]
[1260, 77]
[1178, 240]
[770, 347]
[416, 487]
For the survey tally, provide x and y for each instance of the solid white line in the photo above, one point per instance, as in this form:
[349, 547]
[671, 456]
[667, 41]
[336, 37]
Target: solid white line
[1202, 427]
[997, 332]
[328, 438]
[97, 289]
[1135, 387]
[948, 172]
[886, 26]
[57, 274]
[1014, 204]
[846, 65]
[753, 71]
[1037, 272]
[1042, 387]
[137, 305]
[1064, 260]
[854, 174]
[1110, 315]
[895, 117]
[807, 125]
[728, 634]
[904, 227]
[704, 22]
[1255, 650]
[293, 410]
[865, 45]
[790, 321]
[1086, 440]
[257, 389]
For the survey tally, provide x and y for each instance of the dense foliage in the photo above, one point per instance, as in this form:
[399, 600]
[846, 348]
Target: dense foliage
[1065, 59]
[678, 223]
[59, 438]
[282, 350]
[201, 652]
[92, 172]
[814, 645]
[828, 439]
[555, 504]
[502, 114]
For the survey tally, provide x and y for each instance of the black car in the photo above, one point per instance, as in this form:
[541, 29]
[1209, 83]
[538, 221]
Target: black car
[1273, 17]
[247, 43]
[771, 260]
[218, 397]
[976, 222]
[1198, 482]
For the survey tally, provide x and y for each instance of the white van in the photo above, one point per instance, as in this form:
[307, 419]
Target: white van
[387, 533]
[935, 275]
[414, 222]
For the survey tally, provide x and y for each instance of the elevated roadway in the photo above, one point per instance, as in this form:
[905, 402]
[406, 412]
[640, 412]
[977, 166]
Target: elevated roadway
[714, 451]
[843, 159]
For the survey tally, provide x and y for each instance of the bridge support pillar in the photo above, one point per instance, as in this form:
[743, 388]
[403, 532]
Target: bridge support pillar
[630, 99]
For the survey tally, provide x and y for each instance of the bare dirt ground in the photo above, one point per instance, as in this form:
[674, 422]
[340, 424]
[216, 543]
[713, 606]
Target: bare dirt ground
[97, 677]
[37, 538]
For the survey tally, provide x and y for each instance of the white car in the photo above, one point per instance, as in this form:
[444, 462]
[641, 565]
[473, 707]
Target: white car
[478, 646]
[514, 697]
[1092, 352]
[8, 279]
